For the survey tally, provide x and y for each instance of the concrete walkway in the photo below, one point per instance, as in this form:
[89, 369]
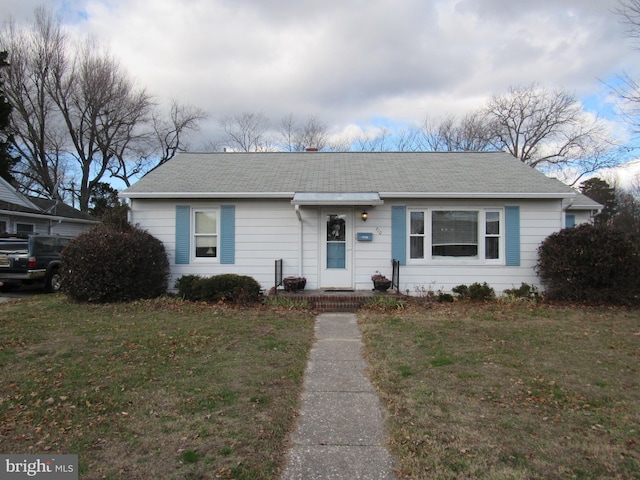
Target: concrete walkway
[340, 433]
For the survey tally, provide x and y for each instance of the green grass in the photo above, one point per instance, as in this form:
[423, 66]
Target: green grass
[154, 389]
[509, 391]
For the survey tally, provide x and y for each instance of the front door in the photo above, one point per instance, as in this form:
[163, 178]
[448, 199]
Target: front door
[336, 250]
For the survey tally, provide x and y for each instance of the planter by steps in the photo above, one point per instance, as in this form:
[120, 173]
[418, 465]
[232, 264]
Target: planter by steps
[381, 285]
[293, 284]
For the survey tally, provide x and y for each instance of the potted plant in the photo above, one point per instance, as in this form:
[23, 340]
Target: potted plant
[380, 282]
[293, 284]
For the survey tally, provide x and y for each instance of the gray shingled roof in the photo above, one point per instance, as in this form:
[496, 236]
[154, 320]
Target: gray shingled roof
[582, 202]
[391, 174]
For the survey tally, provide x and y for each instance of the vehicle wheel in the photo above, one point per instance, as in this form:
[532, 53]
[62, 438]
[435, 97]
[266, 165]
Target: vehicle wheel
[54, 281]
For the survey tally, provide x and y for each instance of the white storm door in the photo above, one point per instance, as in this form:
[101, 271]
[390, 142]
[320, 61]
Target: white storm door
[336, 250]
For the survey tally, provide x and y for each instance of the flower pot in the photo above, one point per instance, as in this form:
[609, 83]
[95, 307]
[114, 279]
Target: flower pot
[381, 285]
[293, 284]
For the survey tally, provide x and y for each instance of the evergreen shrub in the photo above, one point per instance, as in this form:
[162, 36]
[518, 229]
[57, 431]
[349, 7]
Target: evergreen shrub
[478, 292]
[114, 264]
[228, 287]
[590, 263]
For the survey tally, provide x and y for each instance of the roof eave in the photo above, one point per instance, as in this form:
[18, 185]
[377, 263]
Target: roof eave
[159, 195]
[44, 216]
[507, 195]
[290, 195]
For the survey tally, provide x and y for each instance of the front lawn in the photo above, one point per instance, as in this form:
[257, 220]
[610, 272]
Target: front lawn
[156, 389]
[509, 391]
[176, 390]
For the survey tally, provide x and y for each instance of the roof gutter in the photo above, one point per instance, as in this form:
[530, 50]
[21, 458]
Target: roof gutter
[126, 194]
[452, 195]
[291, 195]
[14, 213]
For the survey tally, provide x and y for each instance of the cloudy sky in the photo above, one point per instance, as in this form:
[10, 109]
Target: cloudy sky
[354, 62]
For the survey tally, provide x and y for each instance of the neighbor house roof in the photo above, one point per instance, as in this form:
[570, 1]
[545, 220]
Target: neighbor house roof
[389, 174]
[13, 202]
[60, 209]
[582, 202]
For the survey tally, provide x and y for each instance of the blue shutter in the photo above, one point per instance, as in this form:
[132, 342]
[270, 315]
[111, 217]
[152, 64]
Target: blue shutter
[512, 236]
[569, 221]
[399, 234]
[228, 234]
[183, 234]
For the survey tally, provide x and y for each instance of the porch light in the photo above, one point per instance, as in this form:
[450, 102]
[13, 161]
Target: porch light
[364, 215]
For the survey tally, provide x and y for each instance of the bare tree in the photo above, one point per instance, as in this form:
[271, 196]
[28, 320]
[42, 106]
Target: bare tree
[379, 142]
[148, 149]
[548, 130]
[451, 134]
[248, 132]
[629, 10]
[169, 133]
[36, 127]
[297, 137]
[103, 113]
[78, 117]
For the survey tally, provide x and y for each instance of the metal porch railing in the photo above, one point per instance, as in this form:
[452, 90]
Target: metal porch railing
[278, 275]
[395, 276]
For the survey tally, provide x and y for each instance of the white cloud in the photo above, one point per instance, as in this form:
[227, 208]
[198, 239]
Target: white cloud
[350, 61]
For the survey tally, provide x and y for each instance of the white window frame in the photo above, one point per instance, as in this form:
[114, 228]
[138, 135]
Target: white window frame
[194, 235]
[480, 259]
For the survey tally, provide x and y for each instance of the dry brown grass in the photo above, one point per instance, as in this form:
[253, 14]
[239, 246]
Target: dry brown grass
[156, 389]
[509, 391]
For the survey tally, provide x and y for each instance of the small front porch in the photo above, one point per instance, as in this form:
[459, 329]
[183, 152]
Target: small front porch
[335, 301]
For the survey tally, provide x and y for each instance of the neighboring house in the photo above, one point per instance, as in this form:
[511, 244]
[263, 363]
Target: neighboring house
[449, 218]
[580, 209]
[22, 214]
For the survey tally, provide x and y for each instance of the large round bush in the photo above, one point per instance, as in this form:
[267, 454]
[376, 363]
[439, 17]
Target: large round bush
[109, 264]
[590, 264]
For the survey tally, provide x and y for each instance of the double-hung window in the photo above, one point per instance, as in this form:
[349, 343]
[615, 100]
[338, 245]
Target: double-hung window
[416, 235]
[206, 233]
[458, 235]
[492, 235]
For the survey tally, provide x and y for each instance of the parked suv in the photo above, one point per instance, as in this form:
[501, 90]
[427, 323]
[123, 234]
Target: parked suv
[25, 260]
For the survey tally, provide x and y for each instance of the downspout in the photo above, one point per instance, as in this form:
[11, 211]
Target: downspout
[300, 240]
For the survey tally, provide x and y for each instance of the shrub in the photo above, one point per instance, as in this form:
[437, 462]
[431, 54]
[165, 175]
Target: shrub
[476, 291]
[524, 291]
[445, 297]
[462, 291]
[481, 292]
[590, 263]
[108, 264]
[227, 287]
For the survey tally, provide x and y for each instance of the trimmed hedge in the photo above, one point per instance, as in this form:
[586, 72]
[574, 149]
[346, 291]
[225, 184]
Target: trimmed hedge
[228, 287]
[590, 263]
[109, 264]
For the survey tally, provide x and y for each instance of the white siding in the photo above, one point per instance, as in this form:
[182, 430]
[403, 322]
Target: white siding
[265, 231]
[44, 226]
[269, 230]
[68, 229]
[538, 219]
